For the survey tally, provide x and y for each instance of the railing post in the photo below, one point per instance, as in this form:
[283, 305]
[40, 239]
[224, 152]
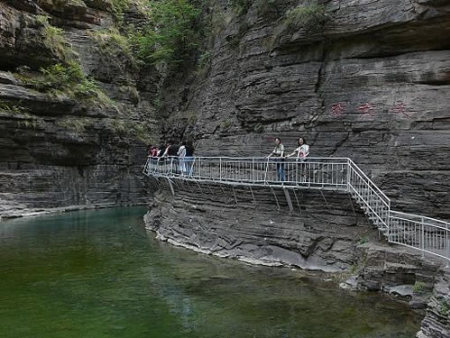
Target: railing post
[220, 169]
[145, 170]
[348, 174]
[252, 175]
[265, 172]
[447, 236]
[423, 237]
[388, 215]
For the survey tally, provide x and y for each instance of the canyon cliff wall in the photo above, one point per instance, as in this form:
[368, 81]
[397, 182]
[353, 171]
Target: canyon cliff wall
[367, 79]
[75, 107]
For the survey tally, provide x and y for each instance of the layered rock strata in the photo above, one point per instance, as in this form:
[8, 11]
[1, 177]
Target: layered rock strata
[77, 144]
[256, 224]
[370, 81]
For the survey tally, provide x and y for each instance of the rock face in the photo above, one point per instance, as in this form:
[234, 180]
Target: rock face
[257, 226]
[58, 148]
[371, 82]
[368, 80]
[437, 319]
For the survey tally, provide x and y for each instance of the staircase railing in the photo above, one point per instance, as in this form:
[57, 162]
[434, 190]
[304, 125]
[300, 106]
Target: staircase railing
[426, 234]
[325, 173]
[369, 197]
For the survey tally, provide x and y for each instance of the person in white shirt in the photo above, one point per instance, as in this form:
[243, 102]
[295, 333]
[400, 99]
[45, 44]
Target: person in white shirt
[301, 153]
[302, 150]
[181, 155]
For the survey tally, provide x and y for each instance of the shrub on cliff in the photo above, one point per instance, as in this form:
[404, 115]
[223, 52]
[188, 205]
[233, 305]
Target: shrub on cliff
[171, 33]
[54, 39]
[115, 49]
[241, 6]
[311, 17]
[67, 79]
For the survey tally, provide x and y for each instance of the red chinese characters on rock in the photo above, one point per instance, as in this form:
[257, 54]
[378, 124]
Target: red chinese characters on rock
[367, 109]
[400, 108]
[338, 109]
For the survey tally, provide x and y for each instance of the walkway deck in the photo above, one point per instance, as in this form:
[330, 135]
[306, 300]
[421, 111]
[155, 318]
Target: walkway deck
[422, 233]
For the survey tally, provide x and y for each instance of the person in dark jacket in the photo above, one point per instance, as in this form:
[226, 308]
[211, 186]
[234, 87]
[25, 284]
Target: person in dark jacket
[189, 158]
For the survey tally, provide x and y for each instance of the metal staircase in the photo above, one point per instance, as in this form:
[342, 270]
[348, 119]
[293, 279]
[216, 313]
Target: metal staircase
[422, 233]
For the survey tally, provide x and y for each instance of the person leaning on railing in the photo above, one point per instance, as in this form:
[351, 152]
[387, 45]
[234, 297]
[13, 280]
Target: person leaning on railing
[278, 153]
[170, 156]
[302, 150]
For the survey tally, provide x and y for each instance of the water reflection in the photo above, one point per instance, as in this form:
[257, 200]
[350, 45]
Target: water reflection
[99, 274]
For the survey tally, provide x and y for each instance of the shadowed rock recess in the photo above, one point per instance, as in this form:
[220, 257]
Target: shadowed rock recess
[73, 105]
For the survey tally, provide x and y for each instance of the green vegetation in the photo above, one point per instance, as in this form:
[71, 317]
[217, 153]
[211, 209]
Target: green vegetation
[69, 80]
[310, 17]
[444, 308]
[28, 121]
[419, 288]
[171, 34]
[116, 47]
[143, 132]
[73, 123]
[363, 240]
[137, 129]
[12, 108]
[118, 7]
[205, 59]
[241, 7]
[54, 39]
[111, 40]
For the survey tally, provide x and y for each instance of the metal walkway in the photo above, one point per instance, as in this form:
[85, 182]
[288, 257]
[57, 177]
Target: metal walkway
[426, 234]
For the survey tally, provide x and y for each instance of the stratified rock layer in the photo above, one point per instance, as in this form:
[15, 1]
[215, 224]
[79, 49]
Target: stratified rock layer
[372, 83]
[256, 225]
[57, 150]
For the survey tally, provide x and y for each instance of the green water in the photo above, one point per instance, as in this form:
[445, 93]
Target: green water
[99, 274]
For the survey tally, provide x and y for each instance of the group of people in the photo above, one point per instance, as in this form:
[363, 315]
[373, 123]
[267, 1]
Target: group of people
[301, 152]
[182, 155]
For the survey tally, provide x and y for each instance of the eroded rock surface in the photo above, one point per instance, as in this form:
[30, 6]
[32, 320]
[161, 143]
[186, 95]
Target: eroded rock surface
[372, 83]
[257, 226]
[58, 149]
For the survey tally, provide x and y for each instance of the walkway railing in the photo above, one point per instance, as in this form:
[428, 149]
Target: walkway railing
[339, 174]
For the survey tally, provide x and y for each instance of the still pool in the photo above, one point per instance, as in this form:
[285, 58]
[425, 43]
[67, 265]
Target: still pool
[99, 274]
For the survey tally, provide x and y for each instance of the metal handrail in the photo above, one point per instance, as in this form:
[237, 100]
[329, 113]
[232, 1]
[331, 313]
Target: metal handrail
[422, 233]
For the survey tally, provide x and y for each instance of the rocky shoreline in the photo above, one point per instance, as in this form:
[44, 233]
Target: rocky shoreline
[17, 211]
